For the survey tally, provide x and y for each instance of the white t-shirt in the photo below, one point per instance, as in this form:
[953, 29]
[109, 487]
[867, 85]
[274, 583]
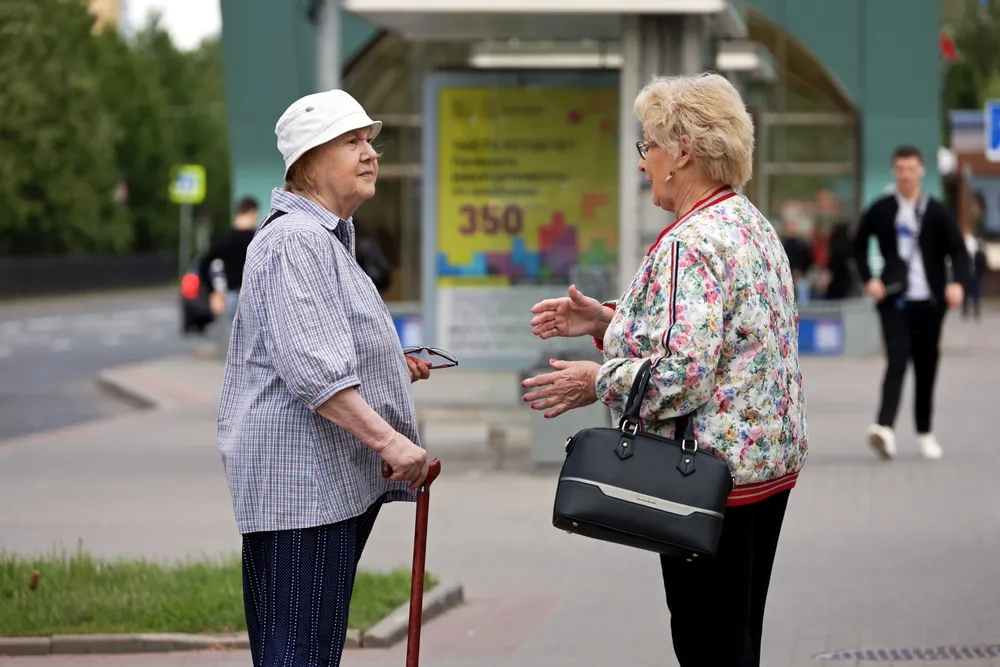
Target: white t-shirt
[907, 241]
[971, 244]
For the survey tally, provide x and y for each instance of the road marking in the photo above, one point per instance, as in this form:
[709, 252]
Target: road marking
[88, 322]
[162, 314]
[45, 323]
[10, 328]
[61, 344]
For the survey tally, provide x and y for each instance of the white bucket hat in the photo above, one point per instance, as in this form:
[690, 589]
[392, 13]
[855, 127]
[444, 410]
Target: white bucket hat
[316, 119]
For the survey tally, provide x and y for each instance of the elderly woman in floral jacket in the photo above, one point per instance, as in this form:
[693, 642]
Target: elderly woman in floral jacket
[713, 307]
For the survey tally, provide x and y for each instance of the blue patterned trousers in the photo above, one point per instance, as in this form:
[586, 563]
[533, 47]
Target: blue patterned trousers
[297, 587]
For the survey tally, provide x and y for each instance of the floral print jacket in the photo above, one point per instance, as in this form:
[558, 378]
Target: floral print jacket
[713, 308]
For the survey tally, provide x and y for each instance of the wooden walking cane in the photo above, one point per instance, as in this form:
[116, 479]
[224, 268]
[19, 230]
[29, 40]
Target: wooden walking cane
[419, 559]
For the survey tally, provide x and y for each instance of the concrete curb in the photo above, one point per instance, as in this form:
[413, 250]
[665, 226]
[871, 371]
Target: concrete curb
[386, 632]
[393, 628]
[145, 390]
[130, 392]
[115, 644]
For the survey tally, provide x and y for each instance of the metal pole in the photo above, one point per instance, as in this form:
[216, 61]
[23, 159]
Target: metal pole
[629, 83]
[184, 251]
[692, 38]
[328, 45]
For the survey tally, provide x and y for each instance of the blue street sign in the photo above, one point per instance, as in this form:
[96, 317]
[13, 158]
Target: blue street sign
[992, 129]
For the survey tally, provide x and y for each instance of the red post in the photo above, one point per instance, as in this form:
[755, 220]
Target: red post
[419, 561]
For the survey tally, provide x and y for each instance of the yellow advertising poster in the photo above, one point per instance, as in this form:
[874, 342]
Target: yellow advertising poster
[527, 204]
[527, 183]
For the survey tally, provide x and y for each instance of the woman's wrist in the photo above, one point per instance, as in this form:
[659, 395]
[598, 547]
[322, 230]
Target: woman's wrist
[348, 410]
[603, 320]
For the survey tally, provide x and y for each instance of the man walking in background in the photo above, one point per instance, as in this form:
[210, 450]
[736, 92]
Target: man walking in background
[915, 234]
[225, 261]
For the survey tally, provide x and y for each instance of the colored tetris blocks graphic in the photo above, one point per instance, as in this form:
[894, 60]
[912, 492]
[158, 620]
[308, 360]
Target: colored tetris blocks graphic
[559, 251]
[476, 268]
[598, 254]
[593, 201]
[558, 244]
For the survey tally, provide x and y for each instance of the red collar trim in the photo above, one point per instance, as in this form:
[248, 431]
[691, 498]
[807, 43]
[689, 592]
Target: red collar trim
[717, 197]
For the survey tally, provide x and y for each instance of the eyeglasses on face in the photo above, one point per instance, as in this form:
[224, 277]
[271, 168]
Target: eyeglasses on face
[449, 358]
[643, 147]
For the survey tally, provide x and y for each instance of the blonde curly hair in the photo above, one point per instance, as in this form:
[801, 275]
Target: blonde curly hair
[708, 109]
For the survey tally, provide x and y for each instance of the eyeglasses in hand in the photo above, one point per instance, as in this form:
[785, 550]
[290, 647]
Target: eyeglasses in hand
[449, 358]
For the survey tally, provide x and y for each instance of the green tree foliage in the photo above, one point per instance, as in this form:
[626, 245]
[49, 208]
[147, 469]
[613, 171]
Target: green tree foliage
[57, 159]
[976, 76]
[82, 113]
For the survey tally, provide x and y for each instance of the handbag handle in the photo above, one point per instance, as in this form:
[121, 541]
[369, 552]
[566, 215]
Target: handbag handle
[630, 418]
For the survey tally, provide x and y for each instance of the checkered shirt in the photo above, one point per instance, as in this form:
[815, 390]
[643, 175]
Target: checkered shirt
[309, 324]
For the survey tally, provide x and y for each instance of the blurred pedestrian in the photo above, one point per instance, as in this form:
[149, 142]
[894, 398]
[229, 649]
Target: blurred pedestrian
[840, 282]
[316, 392]
[713, 307]
[226, 258]
[800, 257]
[374, 262]
[916, 234]
[977, 259]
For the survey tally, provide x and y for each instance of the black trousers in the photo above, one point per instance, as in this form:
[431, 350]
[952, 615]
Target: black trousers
[973, 296]
[911, 330]
[717, 604]
[297, 587]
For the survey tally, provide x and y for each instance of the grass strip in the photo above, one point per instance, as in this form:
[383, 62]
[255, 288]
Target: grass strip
[81, 594]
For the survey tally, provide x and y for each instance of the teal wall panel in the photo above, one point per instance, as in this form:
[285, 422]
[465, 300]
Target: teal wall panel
[902, 84]
[355, 34]
[885, 54]
[772, 9]
[269, 59]
[830, 31]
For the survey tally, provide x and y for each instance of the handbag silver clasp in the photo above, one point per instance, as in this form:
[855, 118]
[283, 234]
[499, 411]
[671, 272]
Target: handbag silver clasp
[684, 445]
[634, 428]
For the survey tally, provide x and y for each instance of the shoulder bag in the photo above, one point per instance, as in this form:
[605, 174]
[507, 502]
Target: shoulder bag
[640, 490]
[897, 285]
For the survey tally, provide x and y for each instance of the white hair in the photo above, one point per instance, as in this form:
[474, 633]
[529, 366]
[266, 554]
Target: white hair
[707, 109]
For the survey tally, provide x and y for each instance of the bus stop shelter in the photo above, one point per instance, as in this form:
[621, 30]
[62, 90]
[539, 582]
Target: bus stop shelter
[548, 84]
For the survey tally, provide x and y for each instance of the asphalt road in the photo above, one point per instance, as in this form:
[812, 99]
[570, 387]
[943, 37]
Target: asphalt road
[51, 351]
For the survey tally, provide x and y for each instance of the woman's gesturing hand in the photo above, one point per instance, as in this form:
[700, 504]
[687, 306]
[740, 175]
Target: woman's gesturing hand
[572, 385]
[568, 316]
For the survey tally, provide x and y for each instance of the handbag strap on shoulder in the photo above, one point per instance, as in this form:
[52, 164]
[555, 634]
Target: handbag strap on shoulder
[271, 218]
[630, 418]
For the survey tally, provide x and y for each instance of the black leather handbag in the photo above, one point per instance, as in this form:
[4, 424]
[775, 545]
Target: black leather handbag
[642, 490]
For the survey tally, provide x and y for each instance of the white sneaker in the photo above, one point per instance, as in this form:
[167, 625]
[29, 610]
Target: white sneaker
[929, 446]
[882, 440]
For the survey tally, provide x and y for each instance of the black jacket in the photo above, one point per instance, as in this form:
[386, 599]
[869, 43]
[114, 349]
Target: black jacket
[939, 238]
[231, 248]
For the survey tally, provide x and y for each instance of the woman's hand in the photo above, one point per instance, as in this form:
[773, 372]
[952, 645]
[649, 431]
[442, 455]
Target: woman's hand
[419, 369]
[570, 316]
[572, 385]
[403, 461]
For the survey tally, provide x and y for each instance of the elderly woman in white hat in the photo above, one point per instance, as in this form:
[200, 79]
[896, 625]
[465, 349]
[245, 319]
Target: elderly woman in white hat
[316, 393]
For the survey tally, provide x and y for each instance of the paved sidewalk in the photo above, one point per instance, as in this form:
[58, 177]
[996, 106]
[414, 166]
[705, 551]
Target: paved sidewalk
[873, 555]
